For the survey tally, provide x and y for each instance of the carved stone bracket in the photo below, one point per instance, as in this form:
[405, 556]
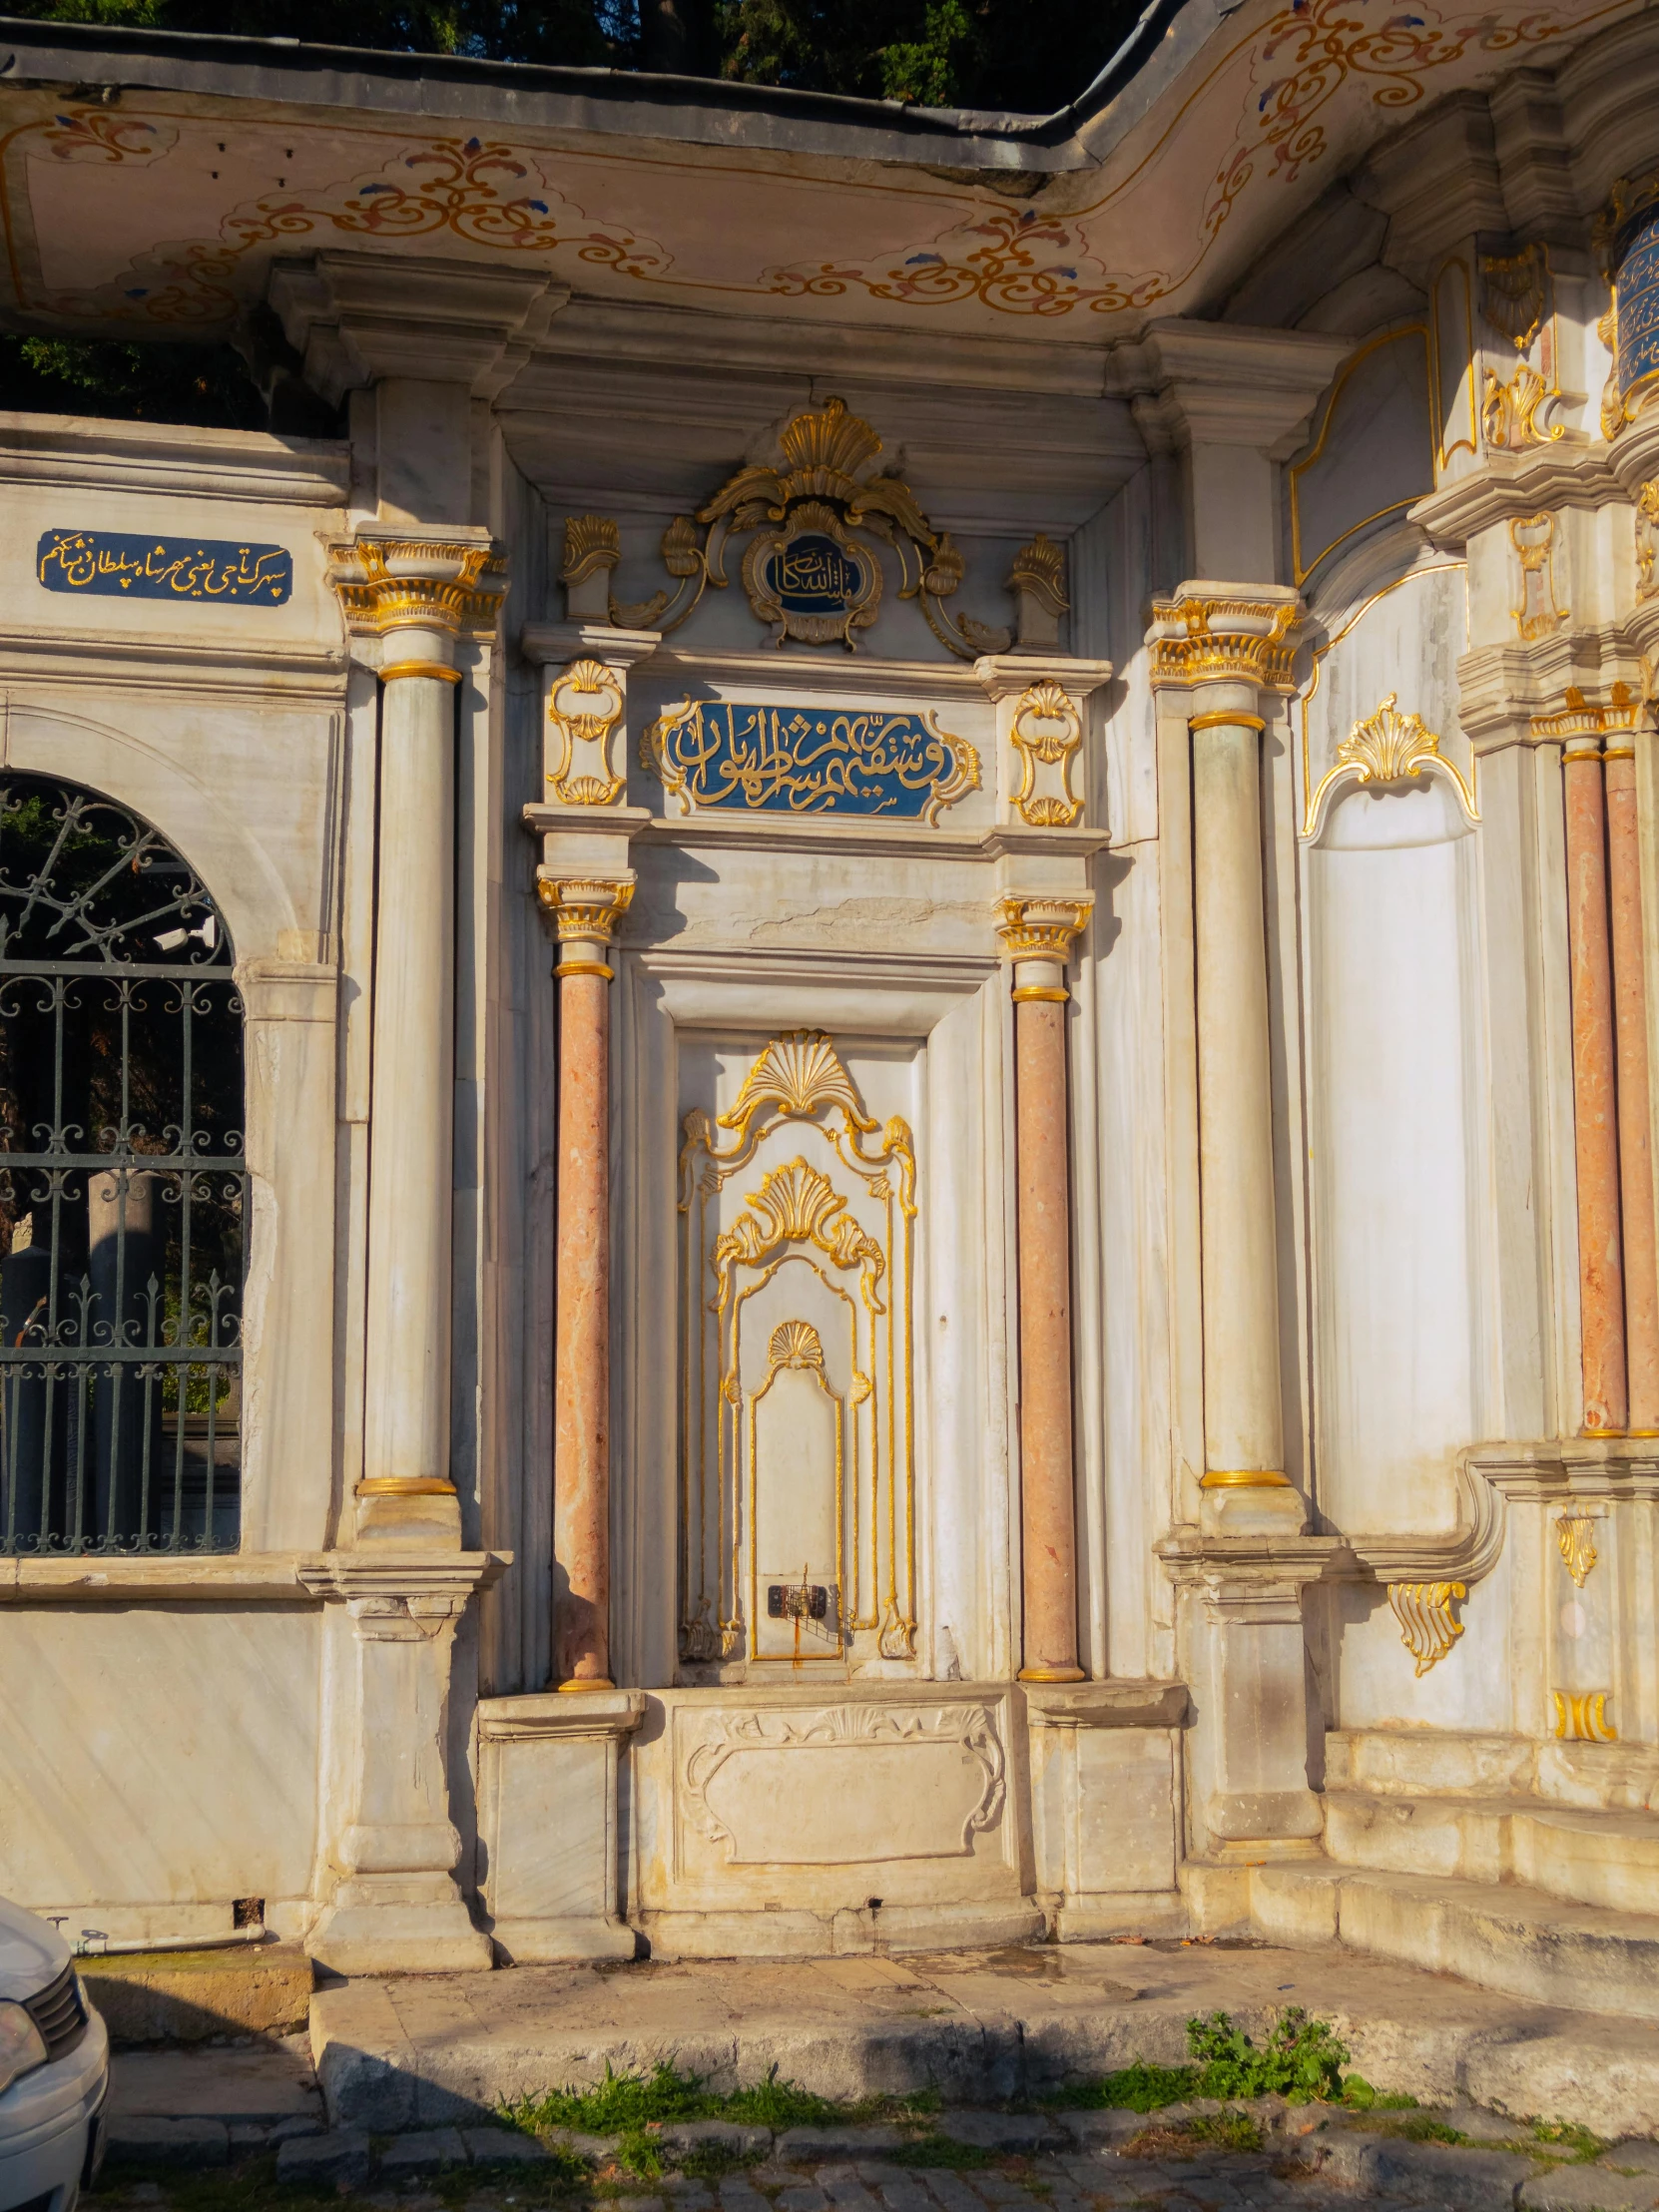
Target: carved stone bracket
[395, 1597]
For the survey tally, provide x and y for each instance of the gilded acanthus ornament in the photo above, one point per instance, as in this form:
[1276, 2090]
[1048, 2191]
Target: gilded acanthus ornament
[1423, 1611]
[386, 584]
[1199, 641]
[1574, 1536]
[1584, 716]
[1034, 929]
[582, 910]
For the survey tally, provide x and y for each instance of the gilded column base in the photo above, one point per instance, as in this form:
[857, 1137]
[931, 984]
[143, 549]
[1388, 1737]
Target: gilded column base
[408, 1514]
[1251, 1505]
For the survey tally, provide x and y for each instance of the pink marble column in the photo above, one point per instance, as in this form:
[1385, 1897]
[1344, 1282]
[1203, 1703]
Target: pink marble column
[1040, 934]
[1595, 1113]
[585, 915]
[1641, 1272]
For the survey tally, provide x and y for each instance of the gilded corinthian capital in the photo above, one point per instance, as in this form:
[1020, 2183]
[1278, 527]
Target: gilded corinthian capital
[453, 583]
[584, 910]
[1220, 632]
[1038, 928]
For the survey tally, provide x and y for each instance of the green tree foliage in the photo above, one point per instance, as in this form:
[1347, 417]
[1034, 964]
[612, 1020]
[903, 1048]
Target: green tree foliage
[1010, 55]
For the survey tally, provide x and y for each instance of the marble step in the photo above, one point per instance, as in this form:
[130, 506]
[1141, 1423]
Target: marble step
[1443, 1762]
[1610, 1860]
[1507, 1936]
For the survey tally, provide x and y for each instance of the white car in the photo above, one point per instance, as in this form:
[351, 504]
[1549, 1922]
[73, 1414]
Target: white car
[54, 2070]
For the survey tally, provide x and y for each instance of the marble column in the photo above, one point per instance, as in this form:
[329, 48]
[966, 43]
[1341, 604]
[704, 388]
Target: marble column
[1038, 936]
[1596, 1109]
[584, 915]
[418, 596]
[1636, 1195]
[1225, 653]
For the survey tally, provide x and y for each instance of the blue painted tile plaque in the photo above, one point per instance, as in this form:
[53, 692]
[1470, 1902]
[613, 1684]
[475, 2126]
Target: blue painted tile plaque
[112, 564]
[809, 760]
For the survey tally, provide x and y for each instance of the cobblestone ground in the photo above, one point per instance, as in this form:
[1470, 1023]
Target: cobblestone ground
[1190, 2158]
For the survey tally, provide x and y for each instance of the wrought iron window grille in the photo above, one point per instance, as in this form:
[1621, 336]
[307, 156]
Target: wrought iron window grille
[123, 1199]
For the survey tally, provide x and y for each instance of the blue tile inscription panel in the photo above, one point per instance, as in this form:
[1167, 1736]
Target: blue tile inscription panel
[112, 564]
[809, 760]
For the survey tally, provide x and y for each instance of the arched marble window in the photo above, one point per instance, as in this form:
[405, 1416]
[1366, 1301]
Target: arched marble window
[123, 1186]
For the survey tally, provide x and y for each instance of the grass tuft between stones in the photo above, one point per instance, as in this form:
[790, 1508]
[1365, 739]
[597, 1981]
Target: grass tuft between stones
[628, 2104]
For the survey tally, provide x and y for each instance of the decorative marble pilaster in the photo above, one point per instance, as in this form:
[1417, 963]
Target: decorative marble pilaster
[397, 1908]
[1225, 647]
[417, 596]
[1596, 1109]
[583, 916]
[1038, 934]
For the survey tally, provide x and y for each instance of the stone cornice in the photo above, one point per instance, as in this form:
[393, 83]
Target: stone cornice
[542, 1713]
[1510, 694]
[161, 459]
[1220, 383]
[1569, 472]
[357, 318]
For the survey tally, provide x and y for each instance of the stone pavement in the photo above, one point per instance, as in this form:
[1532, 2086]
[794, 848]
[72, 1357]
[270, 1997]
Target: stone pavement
[977, 2027]
[1192, 2158]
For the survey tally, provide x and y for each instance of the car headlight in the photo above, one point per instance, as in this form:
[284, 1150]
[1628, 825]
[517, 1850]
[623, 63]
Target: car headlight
[21, 2046]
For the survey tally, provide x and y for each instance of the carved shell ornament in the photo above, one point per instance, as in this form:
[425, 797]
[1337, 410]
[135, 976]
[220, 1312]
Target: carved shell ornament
[1387, 746]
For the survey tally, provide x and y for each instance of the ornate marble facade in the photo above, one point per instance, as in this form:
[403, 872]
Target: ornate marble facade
[944, 908]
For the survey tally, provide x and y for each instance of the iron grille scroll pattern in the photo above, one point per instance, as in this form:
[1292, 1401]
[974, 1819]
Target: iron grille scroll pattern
[123, 1187]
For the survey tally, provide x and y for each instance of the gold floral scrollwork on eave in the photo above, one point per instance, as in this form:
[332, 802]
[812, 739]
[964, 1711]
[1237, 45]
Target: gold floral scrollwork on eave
[820, 1249]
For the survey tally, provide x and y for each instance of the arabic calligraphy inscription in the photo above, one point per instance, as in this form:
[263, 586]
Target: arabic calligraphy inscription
[809, 760]
[112, 564]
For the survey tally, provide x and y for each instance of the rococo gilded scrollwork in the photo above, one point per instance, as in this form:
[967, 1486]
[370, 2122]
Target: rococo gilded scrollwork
[797, 1417]
[584, 707]
[1046, 731]
[1386, 746]
[809, 760]
[1428, 1628]
[811, 573]
[1540, 612]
